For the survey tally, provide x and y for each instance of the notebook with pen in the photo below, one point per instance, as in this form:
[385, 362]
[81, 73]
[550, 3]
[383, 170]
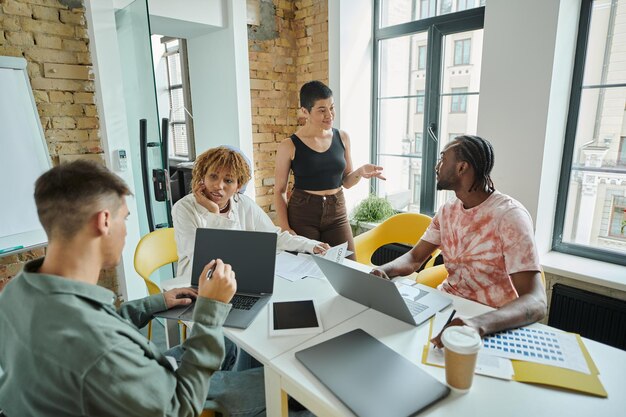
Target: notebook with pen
[252, 256]
[370, 378]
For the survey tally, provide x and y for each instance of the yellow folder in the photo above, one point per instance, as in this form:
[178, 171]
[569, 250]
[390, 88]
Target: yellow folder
[536, 373]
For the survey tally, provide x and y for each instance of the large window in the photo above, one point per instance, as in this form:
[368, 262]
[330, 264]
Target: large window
[592, 194]
[422, 95]
[179, 98]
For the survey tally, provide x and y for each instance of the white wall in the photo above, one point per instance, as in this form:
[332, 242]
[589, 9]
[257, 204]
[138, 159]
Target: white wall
[525, 82]
[200, 16]
[219, 75]
[350, 78]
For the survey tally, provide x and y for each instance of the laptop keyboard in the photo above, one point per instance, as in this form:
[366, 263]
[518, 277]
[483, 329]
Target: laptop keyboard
[243, 302]
[414, 307]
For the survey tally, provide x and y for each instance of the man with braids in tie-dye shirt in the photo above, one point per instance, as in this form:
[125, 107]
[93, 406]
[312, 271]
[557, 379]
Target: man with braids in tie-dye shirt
[486, 239]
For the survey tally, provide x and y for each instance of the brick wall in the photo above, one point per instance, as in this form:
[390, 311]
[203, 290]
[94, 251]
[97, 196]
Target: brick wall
[53, 39]
[287, 49]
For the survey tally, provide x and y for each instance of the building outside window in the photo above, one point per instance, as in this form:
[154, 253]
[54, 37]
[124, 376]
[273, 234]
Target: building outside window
[462, 52]
[592, 193]
[419, 107]
[621, 154]
[427, 8]
[176, 84]
[458, 100]
[617, 225]
[421, 95]
[421, 57]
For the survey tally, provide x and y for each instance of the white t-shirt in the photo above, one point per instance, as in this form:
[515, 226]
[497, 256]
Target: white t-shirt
[244, 214]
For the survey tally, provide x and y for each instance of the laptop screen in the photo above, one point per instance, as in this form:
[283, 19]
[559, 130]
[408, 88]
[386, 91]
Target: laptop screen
[251, 254]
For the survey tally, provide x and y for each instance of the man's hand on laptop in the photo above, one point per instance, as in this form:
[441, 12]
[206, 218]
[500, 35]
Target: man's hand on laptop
[220, 285]
[179, 297]
[379, 273]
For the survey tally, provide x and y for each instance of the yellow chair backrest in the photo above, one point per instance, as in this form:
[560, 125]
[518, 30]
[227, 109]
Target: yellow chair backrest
[154, 250]
[432, 277]
[405, 228]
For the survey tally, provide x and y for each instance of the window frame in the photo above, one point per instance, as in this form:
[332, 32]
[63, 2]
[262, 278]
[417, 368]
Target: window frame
[611, 218]
[421, 60]
[462, 42]
[436, 27]
[420, 101]
[621, 152]
[460, 99]
[558, 245]
[186, 92]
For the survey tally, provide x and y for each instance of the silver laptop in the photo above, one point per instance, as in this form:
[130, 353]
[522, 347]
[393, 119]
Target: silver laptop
[414, 305]
[370, 378]
[252, 256]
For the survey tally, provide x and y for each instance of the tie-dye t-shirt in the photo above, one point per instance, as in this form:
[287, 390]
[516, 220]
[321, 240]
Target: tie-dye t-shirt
[483, 246]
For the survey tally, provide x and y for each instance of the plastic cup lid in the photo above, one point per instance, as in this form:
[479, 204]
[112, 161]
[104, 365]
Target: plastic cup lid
[461, 339]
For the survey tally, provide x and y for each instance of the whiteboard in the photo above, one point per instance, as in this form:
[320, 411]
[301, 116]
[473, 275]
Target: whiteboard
[24, 157]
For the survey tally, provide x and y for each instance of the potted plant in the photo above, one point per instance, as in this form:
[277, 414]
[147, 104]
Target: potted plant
[373, 209]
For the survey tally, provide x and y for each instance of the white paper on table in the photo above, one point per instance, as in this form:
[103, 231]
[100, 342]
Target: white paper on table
[290, 266]
[294, 267]
[337, 253]
[540, 345]
[486, 364]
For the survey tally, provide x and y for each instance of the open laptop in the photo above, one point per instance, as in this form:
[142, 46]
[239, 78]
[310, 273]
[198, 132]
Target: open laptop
[252, 256]
[411, 304]
[370, 378]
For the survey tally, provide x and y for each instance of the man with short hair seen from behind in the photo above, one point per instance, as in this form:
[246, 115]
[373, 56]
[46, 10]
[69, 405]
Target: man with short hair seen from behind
[67, 351]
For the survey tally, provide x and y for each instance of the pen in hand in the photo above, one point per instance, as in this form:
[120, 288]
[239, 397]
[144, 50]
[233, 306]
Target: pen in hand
[434, 340]
[210, 273]
[449, 319]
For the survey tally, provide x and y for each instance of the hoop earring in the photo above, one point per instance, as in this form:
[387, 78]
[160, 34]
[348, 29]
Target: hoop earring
[236, 196]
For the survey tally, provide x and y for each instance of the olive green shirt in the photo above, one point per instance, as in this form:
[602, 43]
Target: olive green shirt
[66, 351]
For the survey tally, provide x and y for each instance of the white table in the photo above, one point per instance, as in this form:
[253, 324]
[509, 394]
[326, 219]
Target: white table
[488, 396]
[256, 340]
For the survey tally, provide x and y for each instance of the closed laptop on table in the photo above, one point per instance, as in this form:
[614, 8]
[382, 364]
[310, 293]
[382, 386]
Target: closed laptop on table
[370, 378]
[252, 256]
[411, 304]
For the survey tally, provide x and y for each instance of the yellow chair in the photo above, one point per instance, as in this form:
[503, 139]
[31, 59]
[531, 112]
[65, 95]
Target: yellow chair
[154, 250]
[432, 277]
[406, 228]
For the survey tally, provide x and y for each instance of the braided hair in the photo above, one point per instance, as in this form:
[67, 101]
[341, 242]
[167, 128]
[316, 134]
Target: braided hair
[478, 152]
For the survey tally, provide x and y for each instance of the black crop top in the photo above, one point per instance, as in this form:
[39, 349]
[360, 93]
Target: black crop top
[318, 171]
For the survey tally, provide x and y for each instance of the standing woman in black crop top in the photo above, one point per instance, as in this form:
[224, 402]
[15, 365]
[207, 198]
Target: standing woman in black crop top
[319, 157]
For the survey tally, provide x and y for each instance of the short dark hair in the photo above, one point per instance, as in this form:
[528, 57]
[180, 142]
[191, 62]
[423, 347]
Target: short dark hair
[313, 91]
[69, 194]
[478, 152]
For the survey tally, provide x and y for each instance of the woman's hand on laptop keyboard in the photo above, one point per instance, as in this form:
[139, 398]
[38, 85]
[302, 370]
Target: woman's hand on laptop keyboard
[220, 285]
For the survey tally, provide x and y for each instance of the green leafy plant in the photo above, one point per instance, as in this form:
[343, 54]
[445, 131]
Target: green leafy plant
[373, 209]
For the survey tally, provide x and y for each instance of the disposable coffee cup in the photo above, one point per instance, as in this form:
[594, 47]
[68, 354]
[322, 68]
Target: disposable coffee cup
[461, 346]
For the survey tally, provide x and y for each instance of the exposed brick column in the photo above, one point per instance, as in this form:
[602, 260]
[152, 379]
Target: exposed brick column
[53, 39]
[289, 48]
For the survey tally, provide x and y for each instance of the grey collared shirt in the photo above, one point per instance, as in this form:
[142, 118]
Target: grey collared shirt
[65, 350]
